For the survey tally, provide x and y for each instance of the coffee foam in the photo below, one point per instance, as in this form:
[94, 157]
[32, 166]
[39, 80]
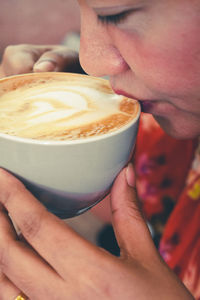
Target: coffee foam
[68, 107]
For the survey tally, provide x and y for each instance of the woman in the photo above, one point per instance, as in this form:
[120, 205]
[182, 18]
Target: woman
[151, 52]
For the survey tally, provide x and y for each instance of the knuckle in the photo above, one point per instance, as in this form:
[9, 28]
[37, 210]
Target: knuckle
[15, 184]
[11, 188]
[15, 59]
[9, 50]
[31, 224]
[12, 49]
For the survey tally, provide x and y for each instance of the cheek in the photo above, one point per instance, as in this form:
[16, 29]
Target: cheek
[163, 69]
[164, 63]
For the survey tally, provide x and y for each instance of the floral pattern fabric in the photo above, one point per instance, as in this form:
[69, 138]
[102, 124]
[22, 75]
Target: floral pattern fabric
[168, 184]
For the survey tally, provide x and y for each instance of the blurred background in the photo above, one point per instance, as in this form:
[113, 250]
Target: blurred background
[37, 22]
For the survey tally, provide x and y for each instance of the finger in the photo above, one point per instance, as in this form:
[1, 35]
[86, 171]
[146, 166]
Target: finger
[59, 245]
[20, 59]
[17, 61]
[131, 231]
[21, 265]
[58, 59]
[7, 289]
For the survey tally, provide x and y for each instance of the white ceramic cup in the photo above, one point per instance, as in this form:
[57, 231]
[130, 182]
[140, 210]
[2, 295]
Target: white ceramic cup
[68, 177]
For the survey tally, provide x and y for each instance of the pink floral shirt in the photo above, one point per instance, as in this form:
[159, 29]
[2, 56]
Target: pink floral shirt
[168, 183]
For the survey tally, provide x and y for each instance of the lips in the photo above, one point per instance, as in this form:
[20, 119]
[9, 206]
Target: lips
[120, 92]
[146, 105]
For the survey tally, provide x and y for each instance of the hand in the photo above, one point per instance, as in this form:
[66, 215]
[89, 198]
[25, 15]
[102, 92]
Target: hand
[21, 59]
[56, 263]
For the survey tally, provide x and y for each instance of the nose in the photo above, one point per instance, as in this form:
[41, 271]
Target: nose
[98, 54]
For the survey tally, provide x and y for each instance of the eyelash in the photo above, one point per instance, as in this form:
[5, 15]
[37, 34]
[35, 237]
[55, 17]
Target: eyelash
[114, 19]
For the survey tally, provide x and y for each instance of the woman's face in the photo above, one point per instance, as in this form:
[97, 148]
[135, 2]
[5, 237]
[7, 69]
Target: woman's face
[151, 51]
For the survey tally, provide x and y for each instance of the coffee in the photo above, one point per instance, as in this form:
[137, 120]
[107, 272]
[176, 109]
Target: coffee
[62, 107]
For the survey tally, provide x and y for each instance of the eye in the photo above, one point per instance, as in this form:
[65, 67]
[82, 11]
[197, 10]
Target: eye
[114, 19]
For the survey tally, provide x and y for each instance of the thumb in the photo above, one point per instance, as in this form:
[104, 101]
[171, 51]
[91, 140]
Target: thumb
[59, 59]
[131, 230]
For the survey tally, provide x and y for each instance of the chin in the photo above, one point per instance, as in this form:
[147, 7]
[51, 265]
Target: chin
[181, 132]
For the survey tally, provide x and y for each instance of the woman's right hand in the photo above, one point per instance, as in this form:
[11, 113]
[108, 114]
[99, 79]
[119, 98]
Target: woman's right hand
[20, 59]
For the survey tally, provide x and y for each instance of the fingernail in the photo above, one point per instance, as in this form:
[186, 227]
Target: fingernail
[45, 65]
[130, 175]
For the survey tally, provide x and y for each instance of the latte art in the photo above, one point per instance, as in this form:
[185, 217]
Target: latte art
[63, 108]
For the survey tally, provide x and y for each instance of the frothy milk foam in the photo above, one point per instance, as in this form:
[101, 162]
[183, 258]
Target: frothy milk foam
[62, 107]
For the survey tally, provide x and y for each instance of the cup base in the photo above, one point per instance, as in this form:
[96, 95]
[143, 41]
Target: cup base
[66, 215]
[72, 214]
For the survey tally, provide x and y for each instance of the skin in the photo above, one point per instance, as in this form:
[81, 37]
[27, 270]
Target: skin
[56, 263]
[153, 55]
[24, 58]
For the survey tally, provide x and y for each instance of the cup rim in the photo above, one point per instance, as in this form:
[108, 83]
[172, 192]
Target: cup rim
[83, 140]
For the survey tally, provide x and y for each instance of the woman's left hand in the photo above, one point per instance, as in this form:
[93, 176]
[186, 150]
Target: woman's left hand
[53, 262]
